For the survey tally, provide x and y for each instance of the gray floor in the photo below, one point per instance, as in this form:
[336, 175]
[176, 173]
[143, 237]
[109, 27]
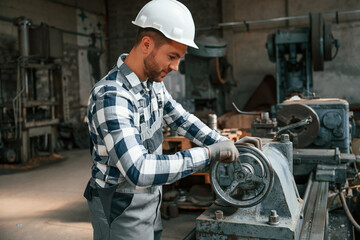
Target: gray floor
[47, 203]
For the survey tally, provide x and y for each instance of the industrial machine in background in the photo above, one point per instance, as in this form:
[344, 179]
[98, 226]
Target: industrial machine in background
[297, 53]
[303, 168]
[205, 74]
[30, 93]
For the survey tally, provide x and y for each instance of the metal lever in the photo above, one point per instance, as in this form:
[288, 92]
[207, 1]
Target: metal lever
[248, 113]
[301, 123]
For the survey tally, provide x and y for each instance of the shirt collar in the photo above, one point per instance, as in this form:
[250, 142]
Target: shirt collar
[136, 84]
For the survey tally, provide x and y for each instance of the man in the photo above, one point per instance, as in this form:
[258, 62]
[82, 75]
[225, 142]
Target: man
[125, 115]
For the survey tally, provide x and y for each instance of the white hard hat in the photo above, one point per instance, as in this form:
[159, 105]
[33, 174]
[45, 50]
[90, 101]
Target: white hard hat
[170, 17]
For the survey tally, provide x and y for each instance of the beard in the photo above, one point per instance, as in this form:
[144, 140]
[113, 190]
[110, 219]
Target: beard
[153, 69]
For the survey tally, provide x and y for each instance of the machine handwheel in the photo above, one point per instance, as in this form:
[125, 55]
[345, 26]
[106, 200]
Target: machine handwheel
[317, 41]
[246, 182]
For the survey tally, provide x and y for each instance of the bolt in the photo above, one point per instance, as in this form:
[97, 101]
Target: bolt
[284, 138]
[241, 175]
[273, 218]
[266, 116]
[219, 215]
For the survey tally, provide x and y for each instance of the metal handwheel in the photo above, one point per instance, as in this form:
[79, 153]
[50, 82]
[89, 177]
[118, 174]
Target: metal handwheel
[246, 182]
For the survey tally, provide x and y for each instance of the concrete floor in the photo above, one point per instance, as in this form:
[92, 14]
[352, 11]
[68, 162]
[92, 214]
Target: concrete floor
[48, 203]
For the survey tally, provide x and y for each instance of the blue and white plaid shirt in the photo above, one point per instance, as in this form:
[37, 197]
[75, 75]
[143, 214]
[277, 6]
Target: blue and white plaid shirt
[121, 111]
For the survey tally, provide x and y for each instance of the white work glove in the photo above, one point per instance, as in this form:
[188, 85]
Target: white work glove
[250, 141]
[223, 152]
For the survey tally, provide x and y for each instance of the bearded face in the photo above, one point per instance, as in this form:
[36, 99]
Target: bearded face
[162, 60]
[154, 69]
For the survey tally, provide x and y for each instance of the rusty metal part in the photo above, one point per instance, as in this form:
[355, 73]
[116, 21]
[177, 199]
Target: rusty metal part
[317, 49]
[302, 136]
[219, 215]
[246, 182]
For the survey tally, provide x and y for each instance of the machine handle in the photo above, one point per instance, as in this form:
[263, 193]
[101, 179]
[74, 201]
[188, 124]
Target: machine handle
[301, 123]
[248, 113]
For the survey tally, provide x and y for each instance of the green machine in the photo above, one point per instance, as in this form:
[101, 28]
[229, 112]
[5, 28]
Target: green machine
[205, 74]
[297, 52]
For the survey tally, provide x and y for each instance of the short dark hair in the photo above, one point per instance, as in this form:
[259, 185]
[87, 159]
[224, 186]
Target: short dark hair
[158, 37]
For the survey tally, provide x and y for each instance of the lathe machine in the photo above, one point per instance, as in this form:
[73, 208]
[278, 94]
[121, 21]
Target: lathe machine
[303, 168]
[258, 197]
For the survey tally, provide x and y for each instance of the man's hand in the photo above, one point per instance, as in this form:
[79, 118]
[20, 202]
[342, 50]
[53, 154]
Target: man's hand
[223, 152]
[250, 141]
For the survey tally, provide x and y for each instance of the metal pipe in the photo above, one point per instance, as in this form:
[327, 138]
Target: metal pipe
[218, 26]
[17, 104]
[278, 19]
[6, 19]
[23, 29]
[322, 156]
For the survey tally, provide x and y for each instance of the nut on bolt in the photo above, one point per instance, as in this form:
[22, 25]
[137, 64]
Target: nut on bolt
[219, 215]
[284, 138]
[273, 218]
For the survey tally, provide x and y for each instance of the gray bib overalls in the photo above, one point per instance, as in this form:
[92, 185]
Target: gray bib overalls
[122, 212]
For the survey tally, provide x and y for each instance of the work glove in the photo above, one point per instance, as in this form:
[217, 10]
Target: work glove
[250, 141]
[223, 152]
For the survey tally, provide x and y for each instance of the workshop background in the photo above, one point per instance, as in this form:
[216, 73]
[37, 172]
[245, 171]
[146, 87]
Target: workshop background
[111, 20]
[43, 101]
[83, 61]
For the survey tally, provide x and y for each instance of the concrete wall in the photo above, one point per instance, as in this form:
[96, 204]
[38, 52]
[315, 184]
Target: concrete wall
[249, 56]
[66, 15]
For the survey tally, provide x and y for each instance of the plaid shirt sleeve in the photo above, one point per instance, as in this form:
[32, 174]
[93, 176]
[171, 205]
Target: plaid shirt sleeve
[118, 144]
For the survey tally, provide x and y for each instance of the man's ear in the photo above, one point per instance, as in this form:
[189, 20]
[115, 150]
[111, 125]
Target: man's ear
[147, 44]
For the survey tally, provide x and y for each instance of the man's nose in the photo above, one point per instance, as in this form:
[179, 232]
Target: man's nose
[174, 65]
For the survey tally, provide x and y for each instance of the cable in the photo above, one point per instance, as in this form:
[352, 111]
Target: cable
[348, 213]
[218, 72]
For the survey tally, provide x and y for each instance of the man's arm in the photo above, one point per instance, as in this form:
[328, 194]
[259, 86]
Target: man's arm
[118, 143]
